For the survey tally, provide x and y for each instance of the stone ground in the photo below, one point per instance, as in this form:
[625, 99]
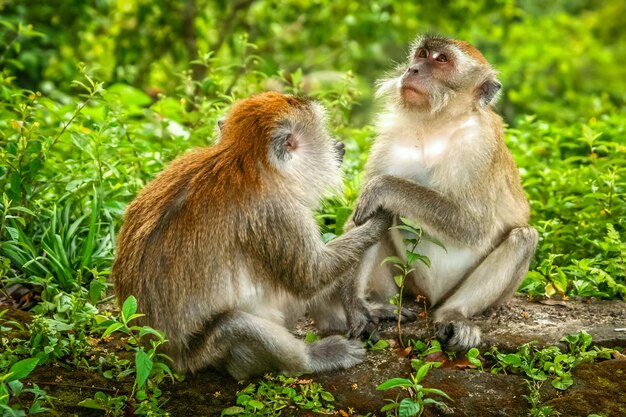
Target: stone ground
[598, 388]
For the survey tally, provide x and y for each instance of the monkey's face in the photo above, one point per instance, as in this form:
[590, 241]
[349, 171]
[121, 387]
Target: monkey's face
[431, 72]
[439, 70]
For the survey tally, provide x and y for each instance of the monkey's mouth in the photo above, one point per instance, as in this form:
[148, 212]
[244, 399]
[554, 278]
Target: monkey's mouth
[411, 94]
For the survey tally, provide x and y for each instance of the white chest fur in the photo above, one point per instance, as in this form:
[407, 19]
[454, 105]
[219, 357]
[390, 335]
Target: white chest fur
[447, 266]
[418, 154]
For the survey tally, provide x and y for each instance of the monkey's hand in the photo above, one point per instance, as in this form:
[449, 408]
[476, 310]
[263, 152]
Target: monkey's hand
[380, 222]
[371, 199]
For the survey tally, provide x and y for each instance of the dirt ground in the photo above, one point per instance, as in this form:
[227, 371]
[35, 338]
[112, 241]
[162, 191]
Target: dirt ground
[598, 388]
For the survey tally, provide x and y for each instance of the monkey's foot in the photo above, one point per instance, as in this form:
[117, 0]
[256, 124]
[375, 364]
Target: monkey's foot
[334, 352]
[456, 333]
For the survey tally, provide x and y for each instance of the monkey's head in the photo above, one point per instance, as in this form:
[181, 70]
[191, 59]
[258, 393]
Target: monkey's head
[442, 72]
[283, 139]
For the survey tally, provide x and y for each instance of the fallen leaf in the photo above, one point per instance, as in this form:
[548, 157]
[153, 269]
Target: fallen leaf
[436, 357]
[461, 363]
[552, 302]
[406, 351]
[343, 413]
[619, 356]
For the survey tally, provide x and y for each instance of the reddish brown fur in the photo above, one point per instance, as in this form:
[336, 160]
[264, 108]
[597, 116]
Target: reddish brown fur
[208, 180]
[470, 50]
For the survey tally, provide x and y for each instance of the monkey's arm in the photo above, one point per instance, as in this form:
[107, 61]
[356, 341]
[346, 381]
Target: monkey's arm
[466, 224]
[300, 262]
[343, 253]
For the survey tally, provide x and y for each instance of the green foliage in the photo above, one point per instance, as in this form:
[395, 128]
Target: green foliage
[564, 51]
[417, 400]
[150, 367]
[576, 179]
[273, 394]
[12, 391]
[549, 363]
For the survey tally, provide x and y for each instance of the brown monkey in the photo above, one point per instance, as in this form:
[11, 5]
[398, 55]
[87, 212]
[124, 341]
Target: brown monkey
[222, 247]
[440, 160]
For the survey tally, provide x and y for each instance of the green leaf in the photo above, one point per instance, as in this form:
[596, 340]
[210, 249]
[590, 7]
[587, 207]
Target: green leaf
[327, 396]
[232, 411]
[94, 226]
[389, 407]
[399, 280]
[436, 242]
[96, 290]
[394, 383]
[436, 392]
[409, 408]
[432, 401]
[112, 328]
[410, 223]
[563, 382]
[129, 96]
[393, 260]
[422, 371]
[512, 359]
[143, 366]
[129, 308]
[22, 368]
[406, 229]
[149, 330]
[91, 403]
[256, 404]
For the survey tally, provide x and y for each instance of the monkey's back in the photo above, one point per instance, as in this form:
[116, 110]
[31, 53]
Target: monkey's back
[177, 250]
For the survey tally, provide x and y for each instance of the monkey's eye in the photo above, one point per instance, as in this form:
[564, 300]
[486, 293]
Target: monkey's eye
[442, 58]
[422, 53]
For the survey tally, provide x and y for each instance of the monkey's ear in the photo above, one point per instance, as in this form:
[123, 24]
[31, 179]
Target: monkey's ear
[284, 145]
[220, 123]
[489, 90]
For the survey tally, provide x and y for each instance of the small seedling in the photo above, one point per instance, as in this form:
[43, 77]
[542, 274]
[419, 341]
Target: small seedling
[416, 402]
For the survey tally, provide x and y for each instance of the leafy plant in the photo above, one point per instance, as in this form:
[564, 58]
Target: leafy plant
[150, 367]
[12, 392]
[273, 394]
[549, 363]
[412, 236]
[416, 402]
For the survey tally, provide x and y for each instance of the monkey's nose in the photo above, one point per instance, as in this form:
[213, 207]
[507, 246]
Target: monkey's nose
[412, 69]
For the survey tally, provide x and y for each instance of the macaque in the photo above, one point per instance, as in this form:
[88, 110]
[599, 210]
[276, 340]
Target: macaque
[440, 160]
[222, 250]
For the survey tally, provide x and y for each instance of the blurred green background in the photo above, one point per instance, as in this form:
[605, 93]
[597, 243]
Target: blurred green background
[560, 59]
